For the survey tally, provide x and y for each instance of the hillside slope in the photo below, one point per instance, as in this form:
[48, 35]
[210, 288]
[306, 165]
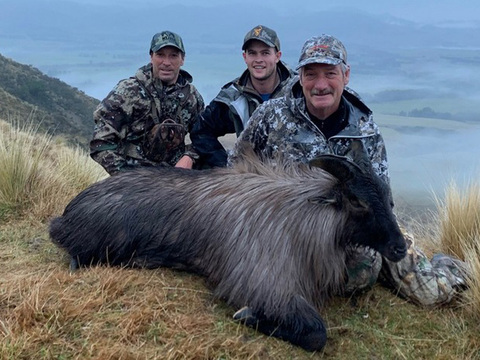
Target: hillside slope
[59, 109]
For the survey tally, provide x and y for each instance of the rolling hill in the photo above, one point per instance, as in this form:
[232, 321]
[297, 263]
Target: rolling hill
[27, 94]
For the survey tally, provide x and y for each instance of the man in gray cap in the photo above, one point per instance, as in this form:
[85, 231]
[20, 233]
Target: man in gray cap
[320, 115]
[264, 78]
[144, 119]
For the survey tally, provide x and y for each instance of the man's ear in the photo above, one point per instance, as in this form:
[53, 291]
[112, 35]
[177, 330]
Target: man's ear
[346, 77]
[279, 55]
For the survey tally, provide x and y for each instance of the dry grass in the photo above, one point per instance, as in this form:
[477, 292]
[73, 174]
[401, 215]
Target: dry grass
[459, 234]
[471, 298]
[38, 175]
[459, 215]
[113, 313]
[20, 157]
[64, 173]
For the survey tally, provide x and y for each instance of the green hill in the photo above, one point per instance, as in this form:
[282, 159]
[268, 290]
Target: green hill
[57, 108]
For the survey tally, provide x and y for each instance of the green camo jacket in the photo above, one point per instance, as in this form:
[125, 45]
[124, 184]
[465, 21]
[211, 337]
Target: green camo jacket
[124, 118]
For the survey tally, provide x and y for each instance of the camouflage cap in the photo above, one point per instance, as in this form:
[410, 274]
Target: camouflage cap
[263, 34]
[166, 38]
[324, 49]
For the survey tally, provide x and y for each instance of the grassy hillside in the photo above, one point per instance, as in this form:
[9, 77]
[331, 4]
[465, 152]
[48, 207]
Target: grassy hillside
[57, 108]
[46, 312]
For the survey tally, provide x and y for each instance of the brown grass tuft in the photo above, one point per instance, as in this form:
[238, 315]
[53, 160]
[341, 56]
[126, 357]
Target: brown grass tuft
[459, 216]
[471, 298]
[459, 234]
[40, 176]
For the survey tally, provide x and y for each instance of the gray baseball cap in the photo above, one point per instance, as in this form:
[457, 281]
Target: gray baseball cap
[166, 38]
[263, 34]
[324, 49]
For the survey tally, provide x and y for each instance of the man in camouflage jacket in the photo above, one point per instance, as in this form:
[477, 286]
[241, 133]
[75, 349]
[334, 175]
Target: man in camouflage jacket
[143, 120]
[264, 78]
[319, 115]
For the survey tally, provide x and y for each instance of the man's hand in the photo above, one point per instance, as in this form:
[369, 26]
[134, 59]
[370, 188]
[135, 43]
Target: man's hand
[185, 162]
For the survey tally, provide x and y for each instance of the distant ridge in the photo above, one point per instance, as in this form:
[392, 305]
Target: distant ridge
[58, 108]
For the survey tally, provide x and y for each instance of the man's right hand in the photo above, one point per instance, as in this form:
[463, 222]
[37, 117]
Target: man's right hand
[185, 162]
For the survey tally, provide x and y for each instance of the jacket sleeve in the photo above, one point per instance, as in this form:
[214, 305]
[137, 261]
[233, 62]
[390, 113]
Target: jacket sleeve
[211, 124]
[197, 107]
[378, 154]
[108, 134]
[255, 134]
[425, 282]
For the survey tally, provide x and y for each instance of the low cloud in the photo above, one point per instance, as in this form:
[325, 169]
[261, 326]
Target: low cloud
[425, 163]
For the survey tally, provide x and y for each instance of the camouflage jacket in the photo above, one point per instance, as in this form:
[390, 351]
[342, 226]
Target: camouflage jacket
[228, 113]
[125, 118]
[283, 126]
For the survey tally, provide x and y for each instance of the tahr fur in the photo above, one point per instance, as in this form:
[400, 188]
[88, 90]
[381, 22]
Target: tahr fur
[270, 235]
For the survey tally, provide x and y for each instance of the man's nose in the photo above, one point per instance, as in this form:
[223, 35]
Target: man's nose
[321, 82]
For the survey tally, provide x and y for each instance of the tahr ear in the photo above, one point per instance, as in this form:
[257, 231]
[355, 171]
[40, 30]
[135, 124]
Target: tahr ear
[338, 166]
[343, 168]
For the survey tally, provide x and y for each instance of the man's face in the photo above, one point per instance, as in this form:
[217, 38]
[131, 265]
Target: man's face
[323, 86]
[166, 64]
[261, 59]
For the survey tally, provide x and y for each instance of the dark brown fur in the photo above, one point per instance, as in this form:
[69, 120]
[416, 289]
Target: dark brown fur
[270, 237]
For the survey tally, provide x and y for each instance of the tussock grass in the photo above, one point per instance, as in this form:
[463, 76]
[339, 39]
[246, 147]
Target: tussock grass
[46, 312]
[459, 215]
[472, 297]
[21, 151]
[459, 234]
[38, 176]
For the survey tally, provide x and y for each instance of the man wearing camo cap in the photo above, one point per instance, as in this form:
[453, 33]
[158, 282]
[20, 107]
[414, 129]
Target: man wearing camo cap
[265, 78]
[320, 115]
[144, 119]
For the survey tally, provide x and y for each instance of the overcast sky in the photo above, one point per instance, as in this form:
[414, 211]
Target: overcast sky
[423, 11]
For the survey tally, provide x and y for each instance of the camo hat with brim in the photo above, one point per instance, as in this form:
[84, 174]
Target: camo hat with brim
[324, 49]
[166, 38]
[263, 34]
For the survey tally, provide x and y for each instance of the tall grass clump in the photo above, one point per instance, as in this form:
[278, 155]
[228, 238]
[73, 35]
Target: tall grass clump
[38, 176]
[459, 233]
[472, 256]
[76, 167]
[459, 218]
[66, 172]
[21, 152]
